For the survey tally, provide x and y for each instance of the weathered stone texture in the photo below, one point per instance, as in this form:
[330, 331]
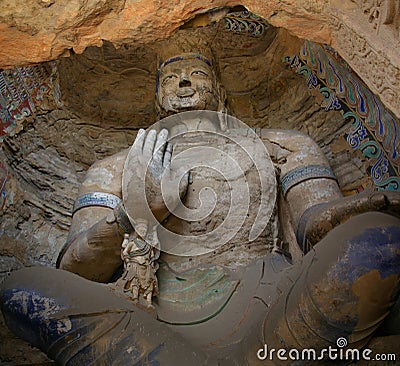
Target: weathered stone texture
[372, 54]
[108, 93]
[32, 32]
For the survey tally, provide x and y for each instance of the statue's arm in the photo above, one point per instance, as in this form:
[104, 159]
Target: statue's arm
[94, 242]
[305, 175]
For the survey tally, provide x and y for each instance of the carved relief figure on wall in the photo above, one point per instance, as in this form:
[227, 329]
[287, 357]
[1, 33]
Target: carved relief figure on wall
[153, 271]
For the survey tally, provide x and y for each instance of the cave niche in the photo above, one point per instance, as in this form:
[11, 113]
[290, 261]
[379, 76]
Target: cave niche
[107, 94]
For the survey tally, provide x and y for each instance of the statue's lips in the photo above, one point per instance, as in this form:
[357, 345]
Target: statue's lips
[185, 92]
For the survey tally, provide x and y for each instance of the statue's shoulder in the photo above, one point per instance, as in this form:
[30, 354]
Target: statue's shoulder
[105, 175]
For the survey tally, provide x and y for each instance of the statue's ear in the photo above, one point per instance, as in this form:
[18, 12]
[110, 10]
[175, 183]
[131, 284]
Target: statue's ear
[159, 111]
[158, 108]
[222, 98]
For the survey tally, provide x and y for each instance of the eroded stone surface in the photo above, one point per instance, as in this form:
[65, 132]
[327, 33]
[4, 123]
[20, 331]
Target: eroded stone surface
[108, 94]
[32, 32]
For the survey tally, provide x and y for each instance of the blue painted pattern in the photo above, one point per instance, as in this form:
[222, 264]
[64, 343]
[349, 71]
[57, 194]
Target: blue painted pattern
[245, 22]
[374, 249]
[96, 199]
[374, 130]
[303, 173]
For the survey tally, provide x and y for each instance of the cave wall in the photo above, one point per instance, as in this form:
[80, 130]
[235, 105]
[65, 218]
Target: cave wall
[88, 106]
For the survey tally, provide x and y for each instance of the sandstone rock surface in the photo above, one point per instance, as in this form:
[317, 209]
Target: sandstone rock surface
[41, 30]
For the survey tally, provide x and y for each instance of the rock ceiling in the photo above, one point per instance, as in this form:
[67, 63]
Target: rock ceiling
[364, 32]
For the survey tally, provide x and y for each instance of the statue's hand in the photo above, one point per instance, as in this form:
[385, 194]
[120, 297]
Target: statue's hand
[148, 169]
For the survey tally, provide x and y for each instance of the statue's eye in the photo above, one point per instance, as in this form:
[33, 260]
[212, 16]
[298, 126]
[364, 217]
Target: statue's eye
[168, 78]
[199, 73]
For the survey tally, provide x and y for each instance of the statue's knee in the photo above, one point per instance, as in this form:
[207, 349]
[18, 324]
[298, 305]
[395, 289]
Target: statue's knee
[359, 265]
[344, 287]
[26, 313]
[370, 240]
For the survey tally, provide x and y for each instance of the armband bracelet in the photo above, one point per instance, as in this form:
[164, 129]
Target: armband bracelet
[109, 200]
[96, 199]
[303, 173]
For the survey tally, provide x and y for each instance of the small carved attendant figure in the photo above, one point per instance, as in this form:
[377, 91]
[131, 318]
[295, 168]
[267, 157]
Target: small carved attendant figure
[140, 266]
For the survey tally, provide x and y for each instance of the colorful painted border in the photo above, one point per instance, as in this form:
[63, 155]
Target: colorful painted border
[374, 131]
[245, 22]
[26, 91]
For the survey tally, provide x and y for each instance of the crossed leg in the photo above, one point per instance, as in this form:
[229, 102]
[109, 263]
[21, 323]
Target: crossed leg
[344, 287]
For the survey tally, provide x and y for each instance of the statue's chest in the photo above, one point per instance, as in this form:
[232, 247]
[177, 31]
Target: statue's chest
[229, 196]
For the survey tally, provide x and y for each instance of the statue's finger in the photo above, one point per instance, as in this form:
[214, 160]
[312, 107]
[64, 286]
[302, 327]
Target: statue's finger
[160, 146]
[167, 155]
[139, 140]
[149, 143]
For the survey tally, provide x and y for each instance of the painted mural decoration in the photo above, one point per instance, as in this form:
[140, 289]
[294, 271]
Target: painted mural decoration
[374, 130]
[25, 92]
[246, 22]
[5, 186]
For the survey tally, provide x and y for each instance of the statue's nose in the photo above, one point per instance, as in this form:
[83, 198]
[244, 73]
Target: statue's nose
[184, 81]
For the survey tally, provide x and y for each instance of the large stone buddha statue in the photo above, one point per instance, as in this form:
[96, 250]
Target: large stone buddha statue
[207, 240]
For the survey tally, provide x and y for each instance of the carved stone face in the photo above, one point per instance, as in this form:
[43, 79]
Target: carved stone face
[187, 85]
